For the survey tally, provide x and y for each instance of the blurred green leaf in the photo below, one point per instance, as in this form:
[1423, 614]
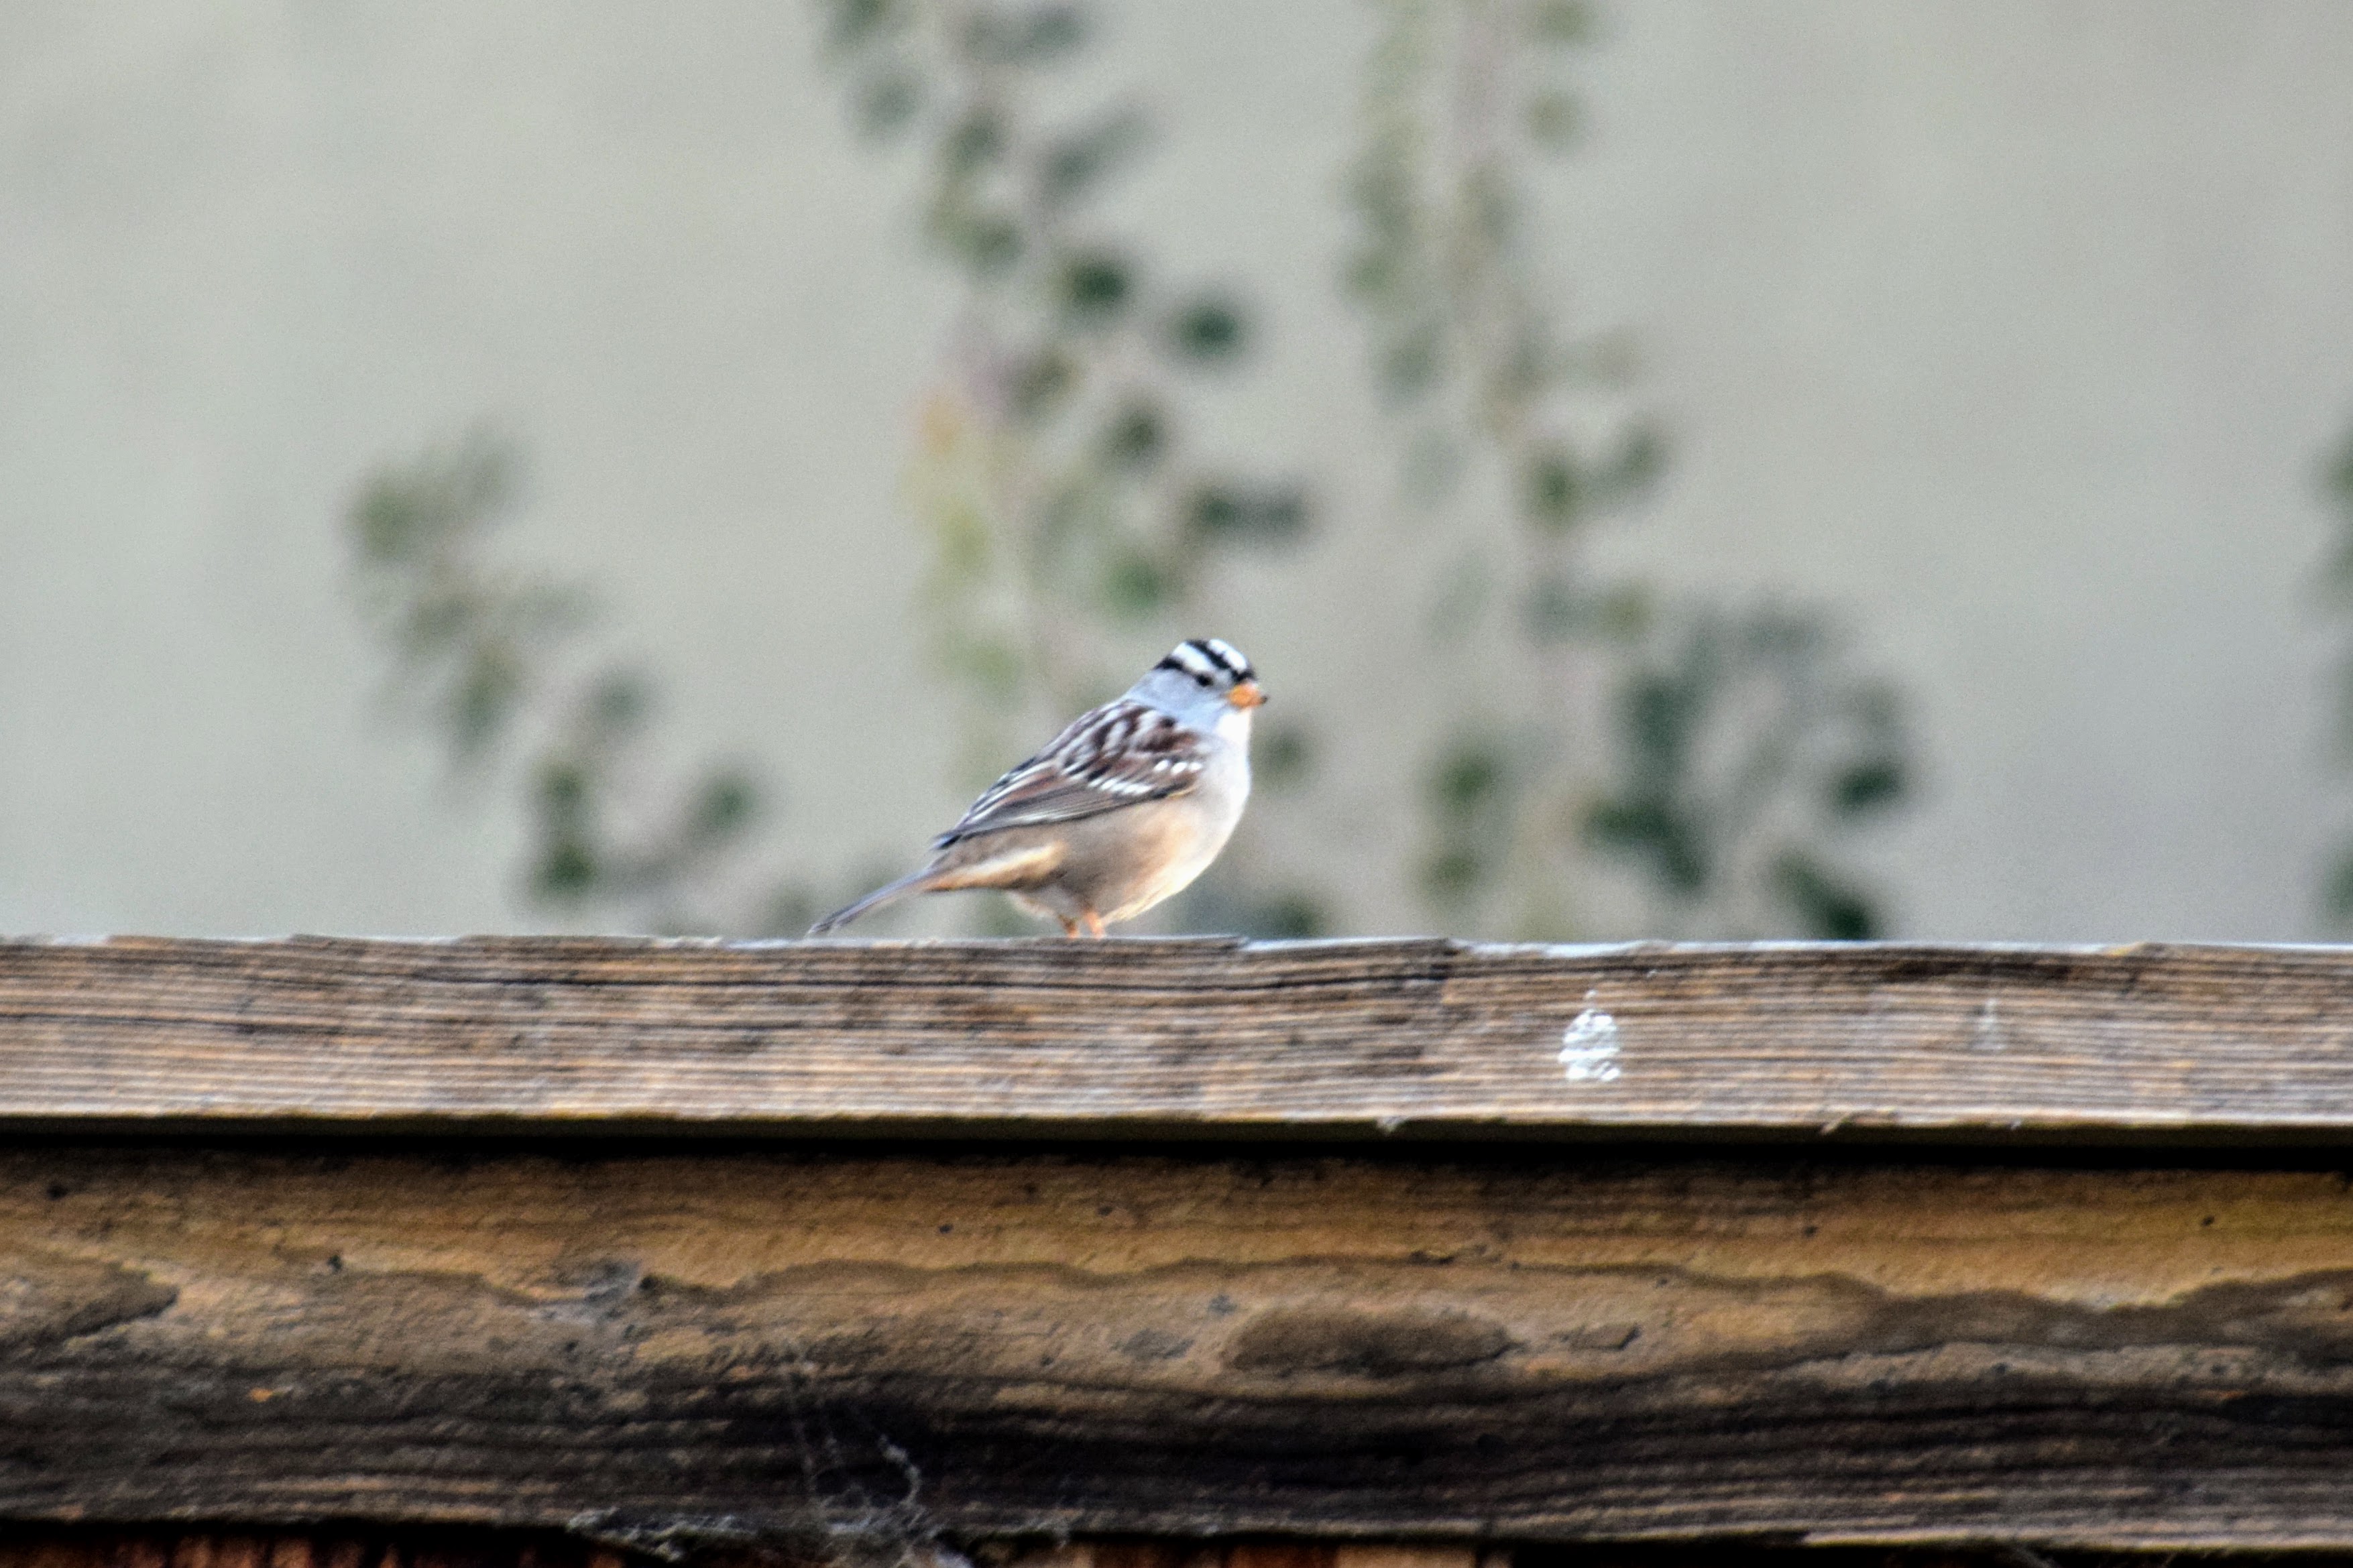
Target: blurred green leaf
[1830, 910]
[1557, 611]
[988, 245]
[1623, 612]
[1232, 511]
[853, 24]
[406, 514]
[1640, 459]
[1662, 710]
[1562, 21]
[488, 689]
[563, 791]
[620, 701]
[1377, 272]
[1469, 779]
[1452, 874]
[2338, 475]
[1561, 491]
[1041, 383]
[1025, 34]
[723, 807]
[1652, 830]
[2337, 894]
[1095, 287]
[566, 865]
[977, 141]
[1210, 330]
[1868, 786]
[468, 640]
[1072, 167]
[1555, 490]
[1138, 436]
[2337, 480]
[566, 871]
[888, 103]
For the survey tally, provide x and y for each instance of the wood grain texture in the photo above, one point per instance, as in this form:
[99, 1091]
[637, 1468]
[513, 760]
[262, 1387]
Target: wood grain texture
[32, 1546]
[755, 1344]
[66, 1546]
[1424, 1038]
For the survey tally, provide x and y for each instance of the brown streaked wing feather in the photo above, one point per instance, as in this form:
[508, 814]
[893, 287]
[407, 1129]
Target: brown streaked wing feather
[1119, 755]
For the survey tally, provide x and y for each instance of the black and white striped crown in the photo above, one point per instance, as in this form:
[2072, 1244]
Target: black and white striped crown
[1211, 662]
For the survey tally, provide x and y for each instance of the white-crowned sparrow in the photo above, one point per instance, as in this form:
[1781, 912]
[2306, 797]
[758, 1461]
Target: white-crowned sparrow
[1122, 809]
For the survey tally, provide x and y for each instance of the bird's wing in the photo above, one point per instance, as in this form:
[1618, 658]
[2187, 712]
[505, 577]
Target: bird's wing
[1122, 754]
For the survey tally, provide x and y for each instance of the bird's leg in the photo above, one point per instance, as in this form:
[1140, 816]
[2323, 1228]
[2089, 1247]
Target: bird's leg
[1069, 929]
[1094, 923]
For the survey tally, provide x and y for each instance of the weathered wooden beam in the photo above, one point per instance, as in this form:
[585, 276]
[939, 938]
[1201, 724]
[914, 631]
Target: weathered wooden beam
[1205, 1039]
[733, 1344]
[750, 1341]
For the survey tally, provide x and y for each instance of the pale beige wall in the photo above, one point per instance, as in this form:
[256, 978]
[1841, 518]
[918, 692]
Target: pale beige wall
[2017, 327]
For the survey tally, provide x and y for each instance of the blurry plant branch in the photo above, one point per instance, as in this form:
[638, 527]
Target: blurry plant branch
[1070, 515]
[1074, 525]
[500, 663]
[1714, 754]
[1742, 746]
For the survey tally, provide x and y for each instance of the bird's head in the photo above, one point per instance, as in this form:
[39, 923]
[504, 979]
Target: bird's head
[1204, 672]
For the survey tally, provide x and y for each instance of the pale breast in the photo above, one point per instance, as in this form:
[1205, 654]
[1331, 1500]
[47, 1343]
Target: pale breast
[1173, 841]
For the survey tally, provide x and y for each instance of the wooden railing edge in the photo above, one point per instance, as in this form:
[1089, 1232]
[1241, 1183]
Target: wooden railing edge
[1359, 1040]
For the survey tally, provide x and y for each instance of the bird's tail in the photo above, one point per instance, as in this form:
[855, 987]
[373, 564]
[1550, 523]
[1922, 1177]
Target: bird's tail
[888, 893]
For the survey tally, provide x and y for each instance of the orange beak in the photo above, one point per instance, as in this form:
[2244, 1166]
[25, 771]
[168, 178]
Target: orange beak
[1247, 695]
